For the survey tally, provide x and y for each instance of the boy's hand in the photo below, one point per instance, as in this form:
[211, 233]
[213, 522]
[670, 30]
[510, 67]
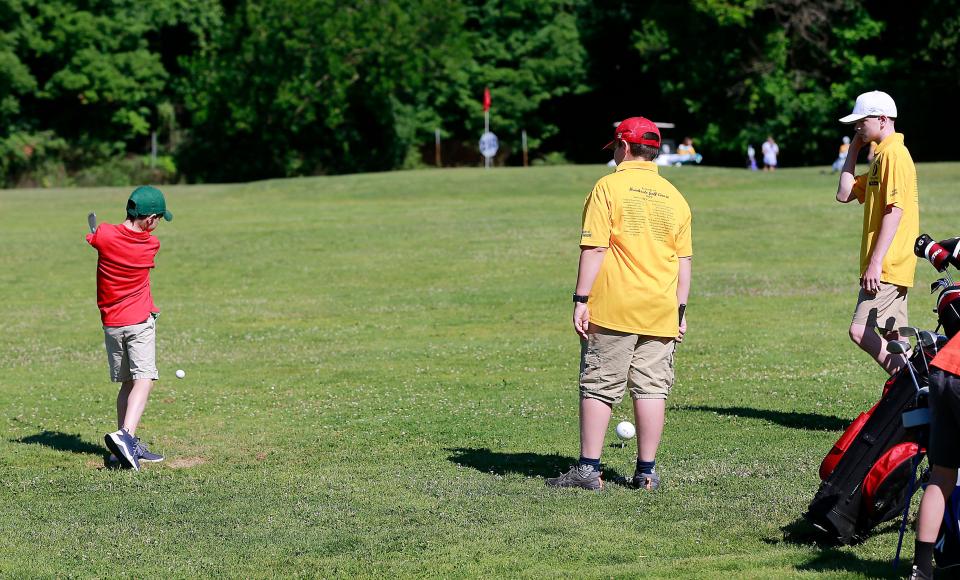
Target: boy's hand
[581, 319]
[683, 328]
[871, 278]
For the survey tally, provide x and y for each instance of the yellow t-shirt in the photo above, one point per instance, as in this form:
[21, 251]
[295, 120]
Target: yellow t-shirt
[645, 223]
[891, 181]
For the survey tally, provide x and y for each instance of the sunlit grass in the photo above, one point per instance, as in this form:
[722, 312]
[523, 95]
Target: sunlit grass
[381, 372]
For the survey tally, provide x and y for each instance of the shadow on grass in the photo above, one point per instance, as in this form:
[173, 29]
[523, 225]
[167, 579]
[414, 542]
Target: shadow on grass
[528, 464]
[487, 461]
[793, 419]
[802, 533]
[62, 442]
[831, 556]
[831, 560]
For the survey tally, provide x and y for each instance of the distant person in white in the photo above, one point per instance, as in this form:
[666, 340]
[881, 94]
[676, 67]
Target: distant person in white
[842, 155]
[751, 158]
[770, 152]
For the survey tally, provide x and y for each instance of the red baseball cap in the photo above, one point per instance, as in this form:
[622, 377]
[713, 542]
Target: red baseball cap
[632, 129]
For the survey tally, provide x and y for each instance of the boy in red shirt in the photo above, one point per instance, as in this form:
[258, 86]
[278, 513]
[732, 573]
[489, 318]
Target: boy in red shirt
[126, 252]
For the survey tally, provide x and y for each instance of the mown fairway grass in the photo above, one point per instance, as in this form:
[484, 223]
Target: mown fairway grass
[381, 372]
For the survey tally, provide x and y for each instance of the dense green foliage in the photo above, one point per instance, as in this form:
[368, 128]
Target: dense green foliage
[380, 371]
[247, 89]
[87, 81]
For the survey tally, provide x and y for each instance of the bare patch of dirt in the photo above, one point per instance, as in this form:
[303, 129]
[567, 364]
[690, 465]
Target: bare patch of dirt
[95, 463]
[186, 462]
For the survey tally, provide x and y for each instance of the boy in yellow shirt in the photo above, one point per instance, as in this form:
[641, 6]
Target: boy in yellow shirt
[632, 288]
[891, 224]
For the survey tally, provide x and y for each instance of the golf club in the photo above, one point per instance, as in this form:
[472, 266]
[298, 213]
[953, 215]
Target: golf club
[915, 332]
[901, 347]
[92, 222]
[928, 339]
[940, 284]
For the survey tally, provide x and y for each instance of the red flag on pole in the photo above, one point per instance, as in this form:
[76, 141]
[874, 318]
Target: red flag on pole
[486, 99]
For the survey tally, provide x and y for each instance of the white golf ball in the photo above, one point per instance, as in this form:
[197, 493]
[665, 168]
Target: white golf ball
[180, 374]
[626, 430]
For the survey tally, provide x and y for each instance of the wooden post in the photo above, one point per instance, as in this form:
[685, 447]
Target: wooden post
[523, 135]
[153, 149]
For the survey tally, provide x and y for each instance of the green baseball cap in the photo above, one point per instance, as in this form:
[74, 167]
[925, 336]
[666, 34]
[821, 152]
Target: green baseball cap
[147, 200]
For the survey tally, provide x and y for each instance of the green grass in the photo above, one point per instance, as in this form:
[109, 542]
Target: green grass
[381, 371]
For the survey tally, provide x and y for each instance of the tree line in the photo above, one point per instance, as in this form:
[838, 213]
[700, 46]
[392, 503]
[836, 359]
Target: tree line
[235, 90]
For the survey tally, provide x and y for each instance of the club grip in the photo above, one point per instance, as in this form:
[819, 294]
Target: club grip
[935, 253]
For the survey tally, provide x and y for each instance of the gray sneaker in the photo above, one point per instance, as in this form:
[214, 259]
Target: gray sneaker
[144, 454]
[123, 445]
[582, 476]
[647, 481]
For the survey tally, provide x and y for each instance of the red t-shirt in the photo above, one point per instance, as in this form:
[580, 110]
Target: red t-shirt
[948, 358]
[123, 274]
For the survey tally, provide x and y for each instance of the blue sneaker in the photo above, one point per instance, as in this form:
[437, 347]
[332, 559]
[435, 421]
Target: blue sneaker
[144, 454]
[124, 446]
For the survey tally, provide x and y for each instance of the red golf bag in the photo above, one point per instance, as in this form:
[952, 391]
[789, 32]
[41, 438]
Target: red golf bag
[866, 477]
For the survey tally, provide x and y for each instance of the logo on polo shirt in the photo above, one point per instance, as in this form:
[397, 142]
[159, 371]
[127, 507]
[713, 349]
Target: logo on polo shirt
[648, 192]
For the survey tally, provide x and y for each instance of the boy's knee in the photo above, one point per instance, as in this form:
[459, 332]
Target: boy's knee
[142, 383]
[857, 332]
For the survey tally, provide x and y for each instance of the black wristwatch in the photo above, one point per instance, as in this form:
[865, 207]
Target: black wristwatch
[580, 299]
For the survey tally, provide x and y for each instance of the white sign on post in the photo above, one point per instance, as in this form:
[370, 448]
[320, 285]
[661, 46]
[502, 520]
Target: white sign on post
[489, 145]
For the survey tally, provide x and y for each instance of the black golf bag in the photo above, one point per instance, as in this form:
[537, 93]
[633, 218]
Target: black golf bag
[866, 477]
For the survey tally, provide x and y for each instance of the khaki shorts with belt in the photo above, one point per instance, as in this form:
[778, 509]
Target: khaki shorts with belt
[132, 351]
[612, 362]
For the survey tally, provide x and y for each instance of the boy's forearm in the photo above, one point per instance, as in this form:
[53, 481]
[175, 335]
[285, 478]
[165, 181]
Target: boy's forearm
[848, 176]
[683, 280]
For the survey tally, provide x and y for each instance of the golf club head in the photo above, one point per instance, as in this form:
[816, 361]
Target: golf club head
[927, 339]
[940, 284]
[910, 331]
[92, 221]
[898, 347]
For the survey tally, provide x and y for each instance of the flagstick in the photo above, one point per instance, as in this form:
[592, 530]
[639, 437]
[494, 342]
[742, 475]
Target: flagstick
[486, 129]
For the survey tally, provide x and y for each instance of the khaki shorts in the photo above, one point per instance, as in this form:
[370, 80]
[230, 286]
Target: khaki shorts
[132, 351]
[611, 362]
[887, 309]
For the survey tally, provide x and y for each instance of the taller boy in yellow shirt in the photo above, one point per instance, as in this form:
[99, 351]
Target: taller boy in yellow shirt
[891, 224]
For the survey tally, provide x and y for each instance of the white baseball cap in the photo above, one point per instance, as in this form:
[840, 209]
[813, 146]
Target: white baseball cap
[872, 104]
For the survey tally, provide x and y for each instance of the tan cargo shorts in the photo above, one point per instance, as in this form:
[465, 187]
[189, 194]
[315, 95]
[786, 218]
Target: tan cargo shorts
[132, 351]
[887, 309]
[612, 362]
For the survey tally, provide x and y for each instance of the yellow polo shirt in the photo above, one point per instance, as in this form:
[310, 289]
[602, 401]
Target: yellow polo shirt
[645, 223]
[891, 181]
